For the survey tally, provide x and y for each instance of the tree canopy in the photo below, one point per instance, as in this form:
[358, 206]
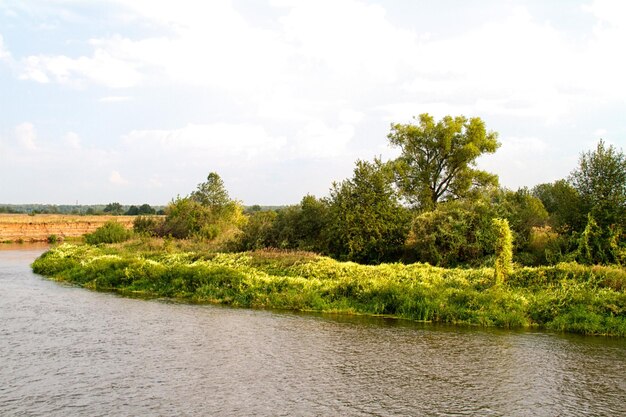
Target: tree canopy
[367, 222]
[438, 158]
[600, 180]
[211, 193]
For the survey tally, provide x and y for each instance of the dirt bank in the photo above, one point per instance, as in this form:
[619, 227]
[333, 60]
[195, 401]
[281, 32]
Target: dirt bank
[22, 227]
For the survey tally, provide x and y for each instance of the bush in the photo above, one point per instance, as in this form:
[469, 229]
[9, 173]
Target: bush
[147, 225]
[504, 250]
[110, 232]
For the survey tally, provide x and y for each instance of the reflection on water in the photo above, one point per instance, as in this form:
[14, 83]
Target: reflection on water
[68, 351]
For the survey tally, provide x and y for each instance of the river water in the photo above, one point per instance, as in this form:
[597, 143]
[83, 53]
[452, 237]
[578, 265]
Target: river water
[66, 351]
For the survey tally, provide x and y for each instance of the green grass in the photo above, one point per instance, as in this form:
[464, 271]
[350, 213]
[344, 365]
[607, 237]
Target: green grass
[566, 297]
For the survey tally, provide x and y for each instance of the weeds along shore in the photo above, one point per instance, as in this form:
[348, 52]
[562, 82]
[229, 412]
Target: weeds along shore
[567, 297]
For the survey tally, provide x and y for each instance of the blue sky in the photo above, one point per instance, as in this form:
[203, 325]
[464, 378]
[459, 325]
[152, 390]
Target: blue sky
[138, 101]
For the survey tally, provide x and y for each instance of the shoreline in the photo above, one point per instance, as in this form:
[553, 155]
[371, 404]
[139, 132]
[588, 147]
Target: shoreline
[567, 297]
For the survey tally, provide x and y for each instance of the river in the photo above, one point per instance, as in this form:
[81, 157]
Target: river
[66, 351]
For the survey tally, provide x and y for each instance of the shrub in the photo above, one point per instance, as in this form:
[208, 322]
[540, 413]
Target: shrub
[147, 225]
[110, 232]
[53, 239]
[504, 250]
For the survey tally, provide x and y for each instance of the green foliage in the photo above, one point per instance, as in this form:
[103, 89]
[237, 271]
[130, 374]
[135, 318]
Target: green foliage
[600, 180]
[205, 214]
[503, 265]
[563, 204]
[114, 208]
[366, 222]
[186, 218]
[566, 297]
[258, 232]
[455, 233]
[148, 225]
[145, 209]
[438, 158]
[302, 226]
[52, 239]
[600, 246]
[211, 193]
[110, 232]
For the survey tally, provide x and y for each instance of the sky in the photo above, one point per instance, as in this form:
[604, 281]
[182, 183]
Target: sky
[138, 101]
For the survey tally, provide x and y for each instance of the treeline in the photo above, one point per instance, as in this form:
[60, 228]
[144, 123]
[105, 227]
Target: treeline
[430, 204]
[89, 210]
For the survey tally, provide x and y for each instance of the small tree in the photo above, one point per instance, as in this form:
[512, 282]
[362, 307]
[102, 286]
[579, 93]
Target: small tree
[366, 221]
[211, 193]
[504, 250]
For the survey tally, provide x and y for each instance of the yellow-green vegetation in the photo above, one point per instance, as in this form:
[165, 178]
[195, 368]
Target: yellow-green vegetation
[566, 297]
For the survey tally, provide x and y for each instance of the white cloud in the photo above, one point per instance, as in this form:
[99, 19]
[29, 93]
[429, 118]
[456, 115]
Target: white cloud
[72, 140]
[317, 140]
[101, 68]
[26, 136]
[5, 55]
[117, 179]
[114, 99]
[213, 142]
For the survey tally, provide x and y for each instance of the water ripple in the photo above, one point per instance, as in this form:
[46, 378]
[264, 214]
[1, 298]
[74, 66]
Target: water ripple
[67, 351]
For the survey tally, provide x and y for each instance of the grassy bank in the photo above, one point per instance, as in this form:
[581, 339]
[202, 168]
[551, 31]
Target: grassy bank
[566, 297]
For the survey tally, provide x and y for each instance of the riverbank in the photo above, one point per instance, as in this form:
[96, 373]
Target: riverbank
[39, 228]
[566, 297]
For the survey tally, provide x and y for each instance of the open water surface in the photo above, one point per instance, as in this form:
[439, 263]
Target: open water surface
[66, 351]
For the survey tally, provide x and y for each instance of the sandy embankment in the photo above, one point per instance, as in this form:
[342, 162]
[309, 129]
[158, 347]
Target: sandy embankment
[22, 227]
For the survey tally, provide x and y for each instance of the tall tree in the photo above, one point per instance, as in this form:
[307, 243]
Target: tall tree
[438, 159]
[600, 180]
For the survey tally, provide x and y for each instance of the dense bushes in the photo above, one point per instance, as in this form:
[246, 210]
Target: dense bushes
[566, 297]
[110, 232]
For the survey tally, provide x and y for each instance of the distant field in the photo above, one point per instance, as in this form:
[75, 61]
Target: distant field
[22, 227]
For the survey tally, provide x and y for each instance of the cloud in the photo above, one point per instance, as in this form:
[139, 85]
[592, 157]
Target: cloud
[117, 179]
[72, 140]
[213, 142]
[26, 136]
[101, 68]
[114, 99]
[5, 55]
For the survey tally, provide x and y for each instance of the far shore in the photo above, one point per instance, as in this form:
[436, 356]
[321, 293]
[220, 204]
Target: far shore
[17, 228]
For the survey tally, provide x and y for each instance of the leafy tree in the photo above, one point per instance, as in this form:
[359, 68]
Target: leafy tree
[366, 221]
[562, 202]
[114, 208]
[211, 193]
[185, 218]
[258, 232]
[523, 212]
[438, 158]
[302, 226]
[205, 213]
[600, 180]
[146, 209]
[132, 211]
[455, 233]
